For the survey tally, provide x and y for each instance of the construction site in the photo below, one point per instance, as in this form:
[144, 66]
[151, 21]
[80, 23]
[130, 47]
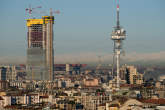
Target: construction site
[40, 55]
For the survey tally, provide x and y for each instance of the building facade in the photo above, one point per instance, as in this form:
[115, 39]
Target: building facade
[132, 76]
[3, 73]
[40, 55]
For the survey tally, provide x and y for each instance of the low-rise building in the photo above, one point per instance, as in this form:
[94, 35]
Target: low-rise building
[132, 104]
[91, 82]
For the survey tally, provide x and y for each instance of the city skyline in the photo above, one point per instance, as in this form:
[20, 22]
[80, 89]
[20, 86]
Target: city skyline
[82, 55]
[82, 31]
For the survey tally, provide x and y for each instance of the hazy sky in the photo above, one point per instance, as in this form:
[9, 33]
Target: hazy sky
[84, 27]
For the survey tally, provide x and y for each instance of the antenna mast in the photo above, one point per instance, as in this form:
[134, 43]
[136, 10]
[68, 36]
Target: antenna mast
[118, 20]
[118, 35]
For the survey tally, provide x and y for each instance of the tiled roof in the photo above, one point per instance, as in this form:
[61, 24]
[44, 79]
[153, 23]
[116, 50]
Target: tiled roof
[44, 96]
[154, 101]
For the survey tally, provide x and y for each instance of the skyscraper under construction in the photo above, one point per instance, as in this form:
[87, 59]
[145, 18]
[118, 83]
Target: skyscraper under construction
[40, 55]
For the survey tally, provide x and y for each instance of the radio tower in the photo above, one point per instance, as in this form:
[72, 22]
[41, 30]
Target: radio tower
[118, 35]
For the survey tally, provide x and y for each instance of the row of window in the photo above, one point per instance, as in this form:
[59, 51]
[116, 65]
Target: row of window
[36, 45]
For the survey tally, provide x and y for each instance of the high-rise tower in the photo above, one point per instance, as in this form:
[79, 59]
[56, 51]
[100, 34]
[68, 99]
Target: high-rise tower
[118, 35]
[40, 55]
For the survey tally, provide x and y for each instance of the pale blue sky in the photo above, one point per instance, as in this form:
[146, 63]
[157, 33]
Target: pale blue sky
[85, 25]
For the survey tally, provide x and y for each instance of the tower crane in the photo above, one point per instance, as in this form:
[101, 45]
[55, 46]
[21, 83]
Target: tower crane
[30, 9]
